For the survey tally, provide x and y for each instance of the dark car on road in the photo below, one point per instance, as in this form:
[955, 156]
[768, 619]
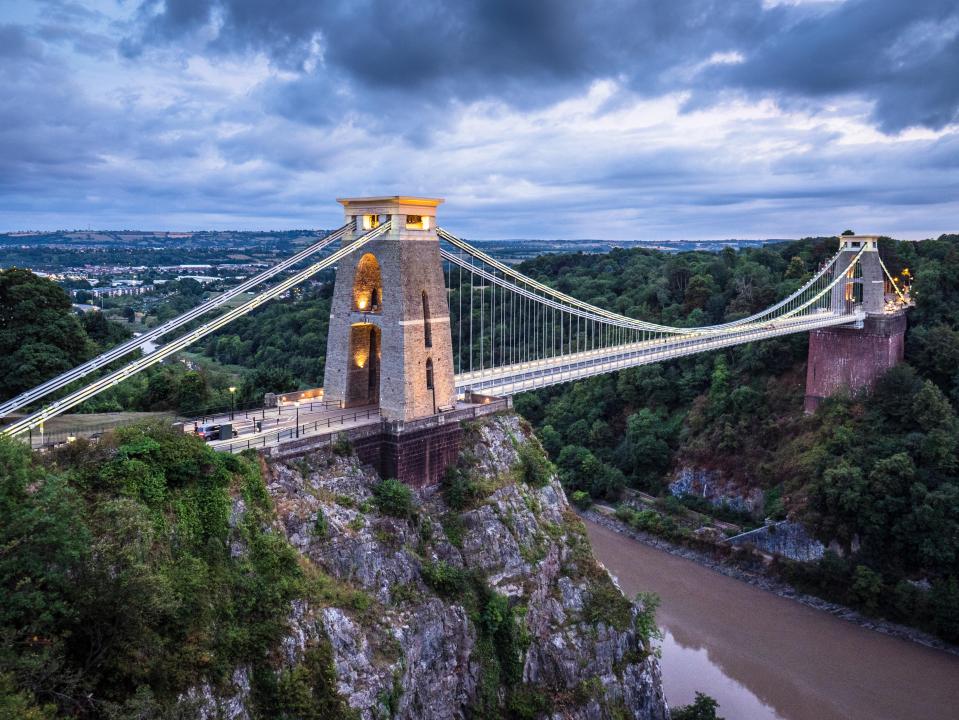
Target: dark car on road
[215, 432]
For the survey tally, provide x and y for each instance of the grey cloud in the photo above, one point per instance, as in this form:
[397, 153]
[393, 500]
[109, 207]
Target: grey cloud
[902, 55]
[530, 52]
[362, 102]
[525, 52]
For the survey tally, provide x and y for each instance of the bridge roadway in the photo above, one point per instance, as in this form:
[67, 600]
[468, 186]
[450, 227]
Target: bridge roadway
[519, 377]
[277, 428]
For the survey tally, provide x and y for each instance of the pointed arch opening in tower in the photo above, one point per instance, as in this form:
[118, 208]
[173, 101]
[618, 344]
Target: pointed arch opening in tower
[363, 373]
[368, 285]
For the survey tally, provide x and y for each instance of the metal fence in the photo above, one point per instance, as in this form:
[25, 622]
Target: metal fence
[305, 429]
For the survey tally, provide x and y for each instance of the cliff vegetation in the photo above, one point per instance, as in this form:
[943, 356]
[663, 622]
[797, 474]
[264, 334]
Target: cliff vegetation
[150, 577]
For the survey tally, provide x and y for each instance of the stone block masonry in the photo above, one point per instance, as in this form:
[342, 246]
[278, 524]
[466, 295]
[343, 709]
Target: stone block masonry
[389, 340]
[416, 452]
[853, 358]
[420, 457]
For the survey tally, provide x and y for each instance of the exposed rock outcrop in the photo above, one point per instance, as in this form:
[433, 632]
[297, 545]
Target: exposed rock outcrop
[494, 609]
[716, 488]
[786, 538]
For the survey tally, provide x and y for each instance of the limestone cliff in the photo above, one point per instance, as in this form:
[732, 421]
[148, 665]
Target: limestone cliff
[493, 609]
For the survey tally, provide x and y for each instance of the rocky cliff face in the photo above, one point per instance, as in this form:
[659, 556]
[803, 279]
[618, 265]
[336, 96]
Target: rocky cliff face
[484, 601]
[715, 487]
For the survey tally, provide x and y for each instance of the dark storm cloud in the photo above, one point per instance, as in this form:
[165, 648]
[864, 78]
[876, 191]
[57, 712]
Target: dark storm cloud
[199, 113]
[904, 56]
[524, 52]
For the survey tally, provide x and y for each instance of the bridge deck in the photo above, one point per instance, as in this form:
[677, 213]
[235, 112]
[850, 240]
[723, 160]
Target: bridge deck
[286, 429]
[519, 377]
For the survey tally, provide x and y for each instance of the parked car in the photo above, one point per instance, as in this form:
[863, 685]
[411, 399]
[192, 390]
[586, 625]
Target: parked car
[212, 432]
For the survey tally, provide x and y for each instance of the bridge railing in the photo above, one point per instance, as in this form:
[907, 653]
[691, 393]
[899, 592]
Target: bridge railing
[469, 413]
[257, 409]
[322, 432]
[305, 429]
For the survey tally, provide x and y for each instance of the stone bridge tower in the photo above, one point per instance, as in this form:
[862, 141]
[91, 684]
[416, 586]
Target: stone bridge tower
[389, 340]
[855, 356]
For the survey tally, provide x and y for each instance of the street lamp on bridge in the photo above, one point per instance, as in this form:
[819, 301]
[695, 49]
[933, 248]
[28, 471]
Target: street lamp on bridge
[232, 390]
[297, 403]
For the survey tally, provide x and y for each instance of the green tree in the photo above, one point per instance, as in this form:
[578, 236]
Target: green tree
[719, 387]
[835, 502]
[39, 335]
[193, 393]
[16, 705]
[644, 451]
[866, 588]
[702, 708]
[797, 268]
[698, 292]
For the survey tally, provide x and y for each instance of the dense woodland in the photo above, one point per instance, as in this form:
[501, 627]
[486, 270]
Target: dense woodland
[120, 590]
[876, 472]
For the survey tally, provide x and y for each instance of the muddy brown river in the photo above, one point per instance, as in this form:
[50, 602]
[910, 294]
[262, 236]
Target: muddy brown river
[766, 658]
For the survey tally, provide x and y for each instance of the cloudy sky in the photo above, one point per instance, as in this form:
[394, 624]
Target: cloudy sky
[619, 119]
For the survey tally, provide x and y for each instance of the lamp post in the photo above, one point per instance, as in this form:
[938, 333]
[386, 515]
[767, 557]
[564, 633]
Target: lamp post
[297, 403]
[232, 401]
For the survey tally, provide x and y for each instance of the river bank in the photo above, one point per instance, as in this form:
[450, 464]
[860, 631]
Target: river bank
[773, 585]
[766, 657]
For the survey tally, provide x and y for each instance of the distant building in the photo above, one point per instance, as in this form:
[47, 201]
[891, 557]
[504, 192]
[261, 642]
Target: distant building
[115, 291]
[181, 268]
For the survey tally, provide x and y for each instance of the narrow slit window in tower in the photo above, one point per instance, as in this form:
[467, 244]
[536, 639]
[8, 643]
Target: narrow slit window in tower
[427, 323]
[429, 374]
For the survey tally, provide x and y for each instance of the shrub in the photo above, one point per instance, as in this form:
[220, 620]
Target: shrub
[454, 528]
[308, 690]
[321, 526]
[447, 580]
[581, 499]
[532, 465]
[646, 618]
[393, 498]
[607, 604]
[527, 703]
[460, 488]
[866, 588]
[342, 445]
[345, 501]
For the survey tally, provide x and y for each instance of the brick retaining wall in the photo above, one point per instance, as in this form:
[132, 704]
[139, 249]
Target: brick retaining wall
[416, 452]
[852, 358]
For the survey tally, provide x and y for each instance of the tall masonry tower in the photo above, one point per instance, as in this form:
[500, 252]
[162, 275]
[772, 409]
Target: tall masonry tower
[854, 357]
[389, 340]
[865, 288]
